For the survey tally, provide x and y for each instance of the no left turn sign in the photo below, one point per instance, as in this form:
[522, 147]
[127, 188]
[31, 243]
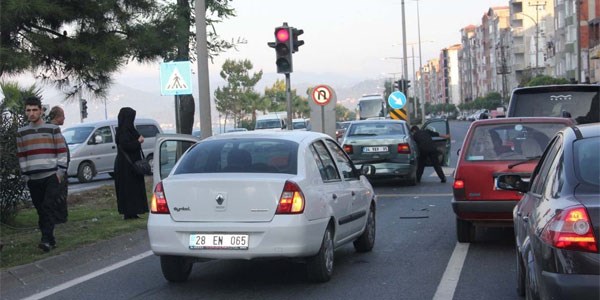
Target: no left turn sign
[321, 95]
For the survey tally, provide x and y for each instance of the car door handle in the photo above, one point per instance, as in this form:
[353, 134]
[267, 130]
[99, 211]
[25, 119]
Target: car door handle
[353, 193]
[334, 196]
[113, 147]
[525, 219]
[519, 214]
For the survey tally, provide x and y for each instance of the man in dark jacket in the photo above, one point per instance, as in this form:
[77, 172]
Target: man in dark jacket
[427, 149]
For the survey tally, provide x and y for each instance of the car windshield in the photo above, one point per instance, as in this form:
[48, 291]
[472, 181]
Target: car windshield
[299, 125]
[268, 124]
[514, 141]
[587, 160]
[376, 129]
[77, 135]
[242, 156]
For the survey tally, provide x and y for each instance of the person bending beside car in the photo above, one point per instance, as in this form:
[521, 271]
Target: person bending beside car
[427, 149]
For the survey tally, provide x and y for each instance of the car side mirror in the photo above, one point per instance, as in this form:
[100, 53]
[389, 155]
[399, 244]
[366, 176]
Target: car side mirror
[512, 182]
[367, 170]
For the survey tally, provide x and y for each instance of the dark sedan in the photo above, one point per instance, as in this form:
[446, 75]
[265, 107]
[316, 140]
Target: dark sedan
[557, 221]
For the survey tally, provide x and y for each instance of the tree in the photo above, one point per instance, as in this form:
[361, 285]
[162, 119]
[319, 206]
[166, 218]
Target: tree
[12, 110]
[276, 96]
[78, 45]
[238, 97]
[344, 114]
[546, 80]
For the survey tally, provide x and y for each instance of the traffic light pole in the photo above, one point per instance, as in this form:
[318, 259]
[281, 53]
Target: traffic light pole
[288, 96]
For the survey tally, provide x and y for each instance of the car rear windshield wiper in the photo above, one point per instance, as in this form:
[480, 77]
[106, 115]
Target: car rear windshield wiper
[363, 134]
[524, 161]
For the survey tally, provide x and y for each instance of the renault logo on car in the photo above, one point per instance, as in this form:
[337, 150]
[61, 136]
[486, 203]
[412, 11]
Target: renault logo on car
[220, 199]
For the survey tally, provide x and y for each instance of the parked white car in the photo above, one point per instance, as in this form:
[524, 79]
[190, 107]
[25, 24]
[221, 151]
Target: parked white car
[258, 194]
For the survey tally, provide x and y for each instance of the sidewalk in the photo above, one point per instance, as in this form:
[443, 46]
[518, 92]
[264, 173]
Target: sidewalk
[26, 280]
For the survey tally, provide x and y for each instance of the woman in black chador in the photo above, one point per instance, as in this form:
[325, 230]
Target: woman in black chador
[130, 187]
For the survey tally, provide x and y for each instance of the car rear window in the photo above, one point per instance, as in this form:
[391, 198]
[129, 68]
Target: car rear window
[376, 129]
[581, 105]
[514, 141]
[587, 160]
[241, 156]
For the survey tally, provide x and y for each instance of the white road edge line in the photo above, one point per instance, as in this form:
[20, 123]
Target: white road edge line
[87, 277]
[447, 286]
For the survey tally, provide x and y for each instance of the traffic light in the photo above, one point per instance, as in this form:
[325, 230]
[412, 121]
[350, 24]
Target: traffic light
[295, 42]
[398, 85]
[84, 113]
[283, 48]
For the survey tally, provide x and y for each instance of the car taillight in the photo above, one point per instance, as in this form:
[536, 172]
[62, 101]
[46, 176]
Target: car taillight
[571, 229]
[348, 149]
[458, 189]
[158, 205]
[404, 148]
[291, 200]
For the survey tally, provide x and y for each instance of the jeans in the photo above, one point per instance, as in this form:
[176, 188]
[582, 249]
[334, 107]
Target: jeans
[44, 194]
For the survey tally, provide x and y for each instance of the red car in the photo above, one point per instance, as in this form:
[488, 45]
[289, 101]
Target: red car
[491, 148]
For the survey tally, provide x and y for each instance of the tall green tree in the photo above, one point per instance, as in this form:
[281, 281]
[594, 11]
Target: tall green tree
[79, 45]
[238, 98]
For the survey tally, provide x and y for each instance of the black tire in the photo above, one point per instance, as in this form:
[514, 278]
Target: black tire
[176, 268]
[465, 231]
[366, 240]
[85, 172]
[520, 275]
[320, 267]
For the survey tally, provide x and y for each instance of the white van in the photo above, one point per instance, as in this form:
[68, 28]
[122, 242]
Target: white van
[93, 149]
[273, 121]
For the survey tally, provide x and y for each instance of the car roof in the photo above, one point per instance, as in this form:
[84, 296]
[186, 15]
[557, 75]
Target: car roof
[586, 130]
[291, 135]
[114, 122]
[555, 88]
[565, 121]
[376, 121]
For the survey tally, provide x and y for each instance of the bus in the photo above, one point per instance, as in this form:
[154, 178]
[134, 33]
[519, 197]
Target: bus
[576, 101]
[371, 106]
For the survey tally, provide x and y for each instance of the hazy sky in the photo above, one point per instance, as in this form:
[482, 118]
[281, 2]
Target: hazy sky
[343, 38]
[348, 36]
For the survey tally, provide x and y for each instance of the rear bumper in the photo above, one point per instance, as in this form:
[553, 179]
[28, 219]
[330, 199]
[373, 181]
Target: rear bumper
[391, 169]
[283, 236]
[571, 286]
[493, 210]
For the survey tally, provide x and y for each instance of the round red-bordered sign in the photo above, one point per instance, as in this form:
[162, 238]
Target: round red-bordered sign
[321, 95]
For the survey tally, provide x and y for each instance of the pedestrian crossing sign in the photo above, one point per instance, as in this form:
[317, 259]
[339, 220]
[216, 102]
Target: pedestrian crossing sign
[176, 78]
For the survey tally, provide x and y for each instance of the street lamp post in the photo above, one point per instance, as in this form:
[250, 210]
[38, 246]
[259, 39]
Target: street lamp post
[537, 39]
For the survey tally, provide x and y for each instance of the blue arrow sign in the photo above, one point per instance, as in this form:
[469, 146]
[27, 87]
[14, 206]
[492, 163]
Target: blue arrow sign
[397, 100]
[176, 78]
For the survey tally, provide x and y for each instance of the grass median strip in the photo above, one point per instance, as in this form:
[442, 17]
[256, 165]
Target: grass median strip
[93, 217]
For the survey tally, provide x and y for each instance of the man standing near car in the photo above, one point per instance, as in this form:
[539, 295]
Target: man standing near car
[43, 160]
[57, 117]
[427, 149]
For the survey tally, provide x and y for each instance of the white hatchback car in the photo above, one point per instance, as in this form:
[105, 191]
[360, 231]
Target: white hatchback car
[257, 194]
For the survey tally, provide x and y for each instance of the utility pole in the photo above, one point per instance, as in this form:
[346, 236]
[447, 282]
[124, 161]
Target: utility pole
[502, 67]
[405, 65]
[537, 32]
[203, 83]
[421, 79]
[578, 33]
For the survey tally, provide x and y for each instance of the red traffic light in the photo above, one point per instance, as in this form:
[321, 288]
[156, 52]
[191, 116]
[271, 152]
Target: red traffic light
[282, 35]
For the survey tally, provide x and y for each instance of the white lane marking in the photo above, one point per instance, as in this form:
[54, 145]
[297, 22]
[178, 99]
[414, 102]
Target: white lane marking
[87, 277]
[447, 286]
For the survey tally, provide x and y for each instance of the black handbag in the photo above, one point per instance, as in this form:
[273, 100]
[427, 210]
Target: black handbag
[142, 166]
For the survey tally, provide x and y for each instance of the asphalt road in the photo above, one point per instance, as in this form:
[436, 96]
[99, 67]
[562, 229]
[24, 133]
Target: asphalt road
[416, 256]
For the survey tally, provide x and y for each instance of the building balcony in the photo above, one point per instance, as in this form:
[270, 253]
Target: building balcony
[518, 48]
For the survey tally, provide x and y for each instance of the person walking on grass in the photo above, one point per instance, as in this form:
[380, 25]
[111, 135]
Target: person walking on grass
[43, 161]
[427, 149]
[130, 187]
[56, 116]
